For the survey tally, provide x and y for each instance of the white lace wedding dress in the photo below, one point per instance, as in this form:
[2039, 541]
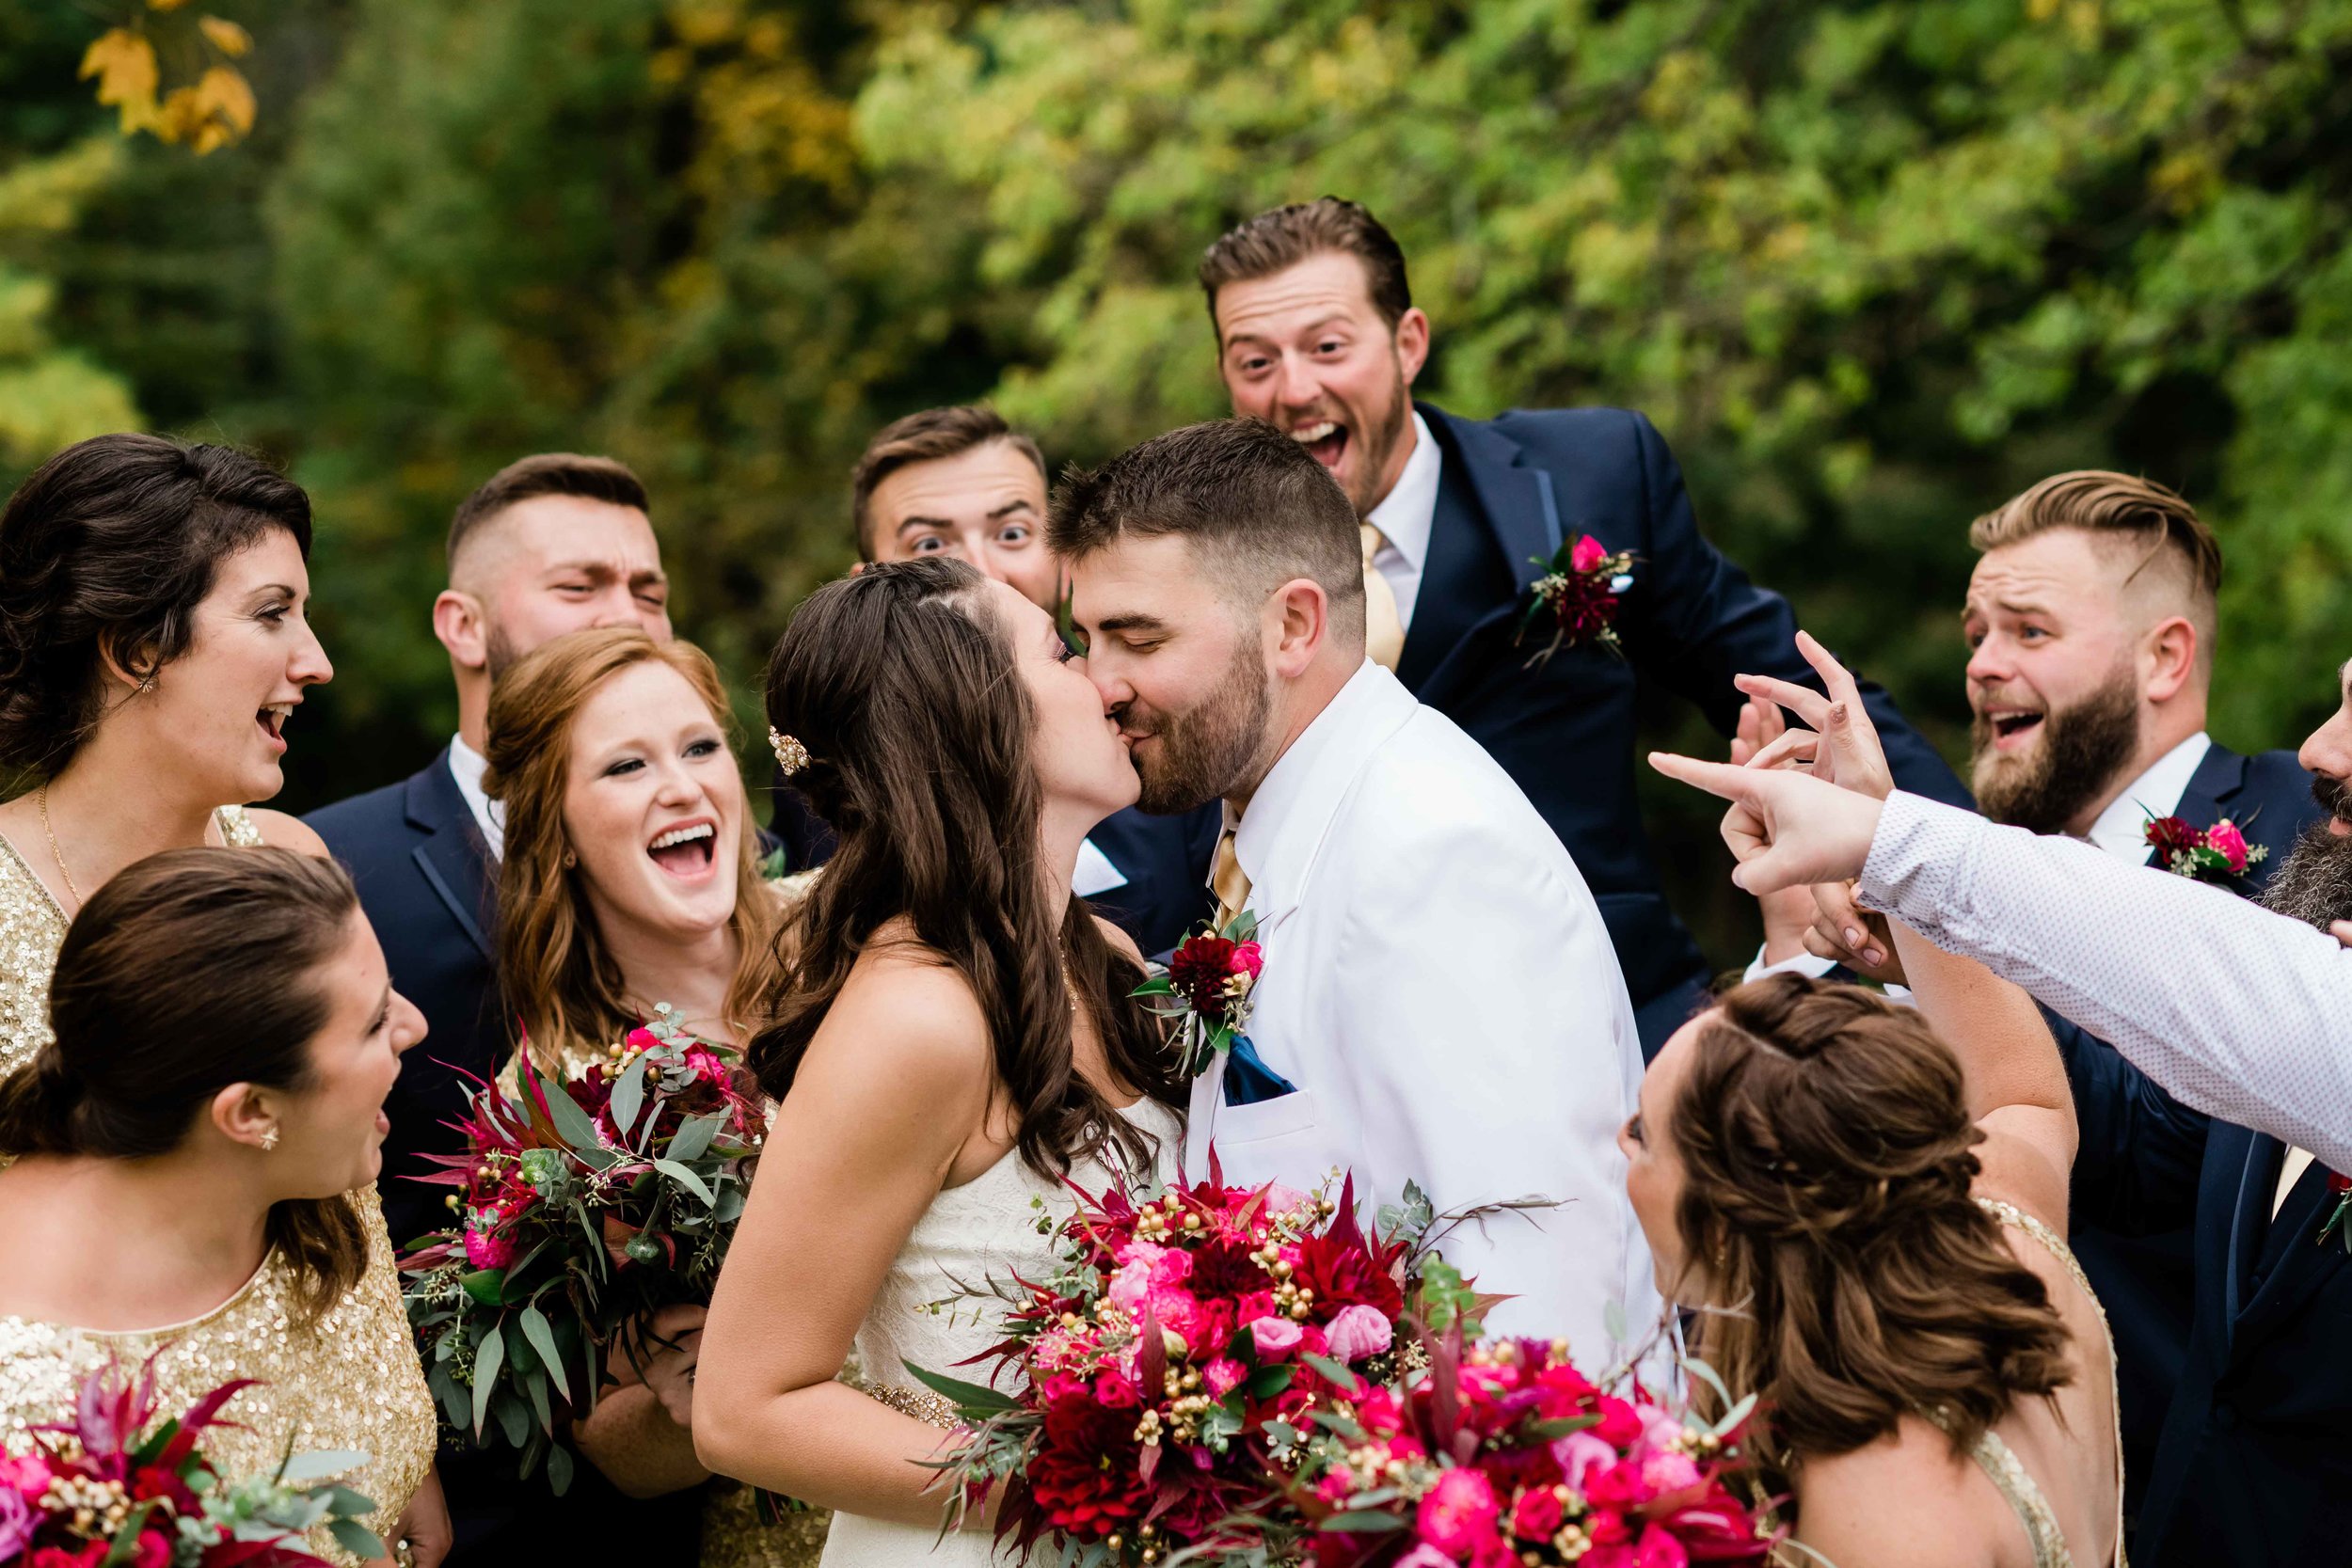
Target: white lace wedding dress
[985, 1229]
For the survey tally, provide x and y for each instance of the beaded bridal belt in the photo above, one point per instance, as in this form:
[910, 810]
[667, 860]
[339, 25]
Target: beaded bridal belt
[935, 1410]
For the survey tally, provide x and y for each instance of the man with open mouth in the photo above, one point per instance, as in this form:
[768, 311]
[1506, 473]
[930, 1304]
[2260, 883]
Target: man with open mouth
[1316, 332]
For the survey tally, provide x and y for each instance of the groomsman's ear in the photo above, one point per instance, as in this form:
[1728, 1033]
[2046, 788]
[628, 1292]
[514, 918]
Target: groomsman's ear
[463, 629]
[1412, 343]
[1301, 617]
[2170, 650]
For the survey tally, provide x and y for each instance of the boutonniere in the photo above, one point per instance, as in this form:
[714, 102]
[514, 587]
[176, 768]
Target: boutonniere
[1206, 989]
[2209, 855]
[2339, 1223]
[1579, 590]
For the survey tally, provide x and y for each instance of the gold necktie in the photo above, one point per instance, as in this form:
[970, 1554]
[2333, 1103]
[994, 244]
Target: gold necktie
[1230, 882]
[1384, 629]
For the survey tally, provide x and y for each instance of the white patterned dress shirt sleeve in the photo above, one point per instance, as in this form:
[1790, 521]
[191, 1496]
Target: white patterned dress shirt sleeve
[2242, 1014]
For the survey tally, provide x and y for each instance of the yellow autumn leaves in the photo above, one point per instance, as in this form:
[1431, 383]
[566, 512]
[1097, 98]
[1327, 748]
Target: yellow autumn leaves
[210, 111]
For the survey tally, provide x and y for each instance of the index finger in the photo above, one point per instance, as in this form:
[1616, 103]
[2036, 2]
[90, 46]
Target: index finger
[1803, 701]
[1722, 779]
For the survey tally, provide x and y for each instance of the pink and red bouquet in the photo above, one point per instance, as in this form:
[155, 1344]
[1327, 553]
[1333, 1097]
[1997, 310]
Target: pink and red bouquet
[1504, 1456]
[2217, 851]
[115, 1486]
[1206, 990]
[1580, 591]
[1183, 1344]
[584, 1207]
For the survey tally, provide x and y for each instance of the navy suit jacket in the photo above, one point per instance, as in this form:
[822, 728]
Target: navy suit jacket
[430, 891]
[1164, 860]
[1510, 490]
[2236, 1387]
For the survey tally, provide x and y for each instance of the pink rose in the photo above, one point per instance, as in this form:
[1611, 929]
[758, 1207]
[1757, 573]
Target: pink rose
[1589, 552]
[1358, 1332]
[1580, 1456]
[1537, 1515]
[1222, 1375]
[1667, 1471]
[153, 1550]
[1248, 959]
[1275, 1338]
[2225, 837]
[489, 1249]
[28, 1475]
[1458, 1514]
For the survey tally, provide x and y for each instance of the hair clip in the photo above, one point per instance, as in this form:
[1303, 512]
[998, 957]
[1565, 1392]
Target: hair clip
[790, 754]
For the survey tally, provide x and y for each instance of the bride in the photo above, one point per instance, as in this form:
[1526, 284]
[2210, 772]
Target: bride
[951, 1036]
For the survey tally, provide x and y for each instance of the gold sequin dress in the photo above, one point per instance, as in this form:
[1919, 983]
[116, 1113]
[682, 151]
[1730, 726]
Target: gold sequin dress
[32, 928]
[347, 1380]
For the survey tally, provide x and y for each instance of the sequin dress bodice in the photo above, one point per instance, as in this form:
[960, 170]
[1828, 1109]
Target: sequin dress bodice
[32, 928]
[349, 1379]
[984, 1231]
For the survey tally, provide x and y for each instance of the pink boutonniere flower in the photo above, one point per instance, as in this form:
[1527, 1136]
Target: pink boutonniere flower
[2207, 854]
[1580, 592]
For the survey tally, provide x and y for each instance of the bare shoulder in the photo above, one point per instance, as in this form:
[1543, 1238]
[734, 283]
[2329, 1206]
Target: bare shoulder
[1947, 1518]
[1121, 941]
[281, 831]
[907, 1020]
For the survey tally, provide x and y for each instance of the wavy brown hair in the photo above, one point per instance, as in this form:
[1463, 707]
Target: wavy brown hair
[900, 682]
[1827, 1154]
[190, 971]
[562, 987]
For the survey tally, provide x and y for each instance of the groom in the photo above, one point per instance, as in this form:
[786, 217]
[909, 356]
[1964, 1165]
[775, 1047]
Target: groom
[1440, 1001]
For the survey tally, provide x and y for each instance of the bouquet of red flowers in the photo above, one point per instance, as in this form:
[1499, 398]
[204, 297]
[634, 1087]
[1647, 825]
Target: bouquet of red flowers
[1504, 1456]
[114, 1486]
[584, 1207]
[1185, 1333]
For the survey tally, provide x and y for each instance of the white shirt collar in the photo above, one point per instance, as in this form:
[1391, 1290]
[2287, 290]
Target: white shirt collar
[1407, 513]
[467, 765]
[1282, 830]
[2122, 830]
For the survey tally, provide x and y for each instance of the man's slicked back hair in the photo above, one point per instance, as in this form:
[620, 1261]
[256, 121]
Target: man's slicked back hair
[1261, 511]
[2125, 509]
[925, 437]
[547, 473]
[1280, 238]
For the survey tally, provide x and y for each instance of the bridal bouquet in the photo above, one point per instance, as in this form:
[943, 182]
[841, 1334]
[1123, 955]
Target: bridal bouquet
[1504, 1456]
[115, 1486]
[583, 1207]
[1184, 1339]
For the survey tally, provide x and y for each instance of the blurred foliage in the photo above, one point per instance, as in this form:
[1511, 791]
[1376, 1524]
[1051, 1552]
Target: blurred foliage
[208, 105]
[1872, 266]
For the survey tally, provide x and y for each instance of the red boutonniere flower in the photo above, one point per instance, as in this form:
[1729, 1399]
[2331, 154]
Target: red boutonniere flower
[2339, 1222]
[2208, 854]
[1206, 989]
[1580, 591]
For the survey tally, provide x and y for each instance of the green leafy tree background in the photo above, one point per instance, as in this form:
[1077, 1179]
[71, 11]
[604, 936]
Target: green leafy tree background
[1871, 266]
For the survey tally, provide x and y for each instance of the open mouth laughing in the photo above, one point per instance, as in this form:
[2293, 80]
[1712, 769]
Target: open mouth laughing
[272, 718]
[2012, 727]
[1325, 439]
[686, 851]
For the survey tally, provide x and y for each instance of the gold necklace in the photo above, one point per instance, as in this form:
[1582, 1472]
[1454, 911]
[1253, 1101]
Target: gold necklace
[41, 800]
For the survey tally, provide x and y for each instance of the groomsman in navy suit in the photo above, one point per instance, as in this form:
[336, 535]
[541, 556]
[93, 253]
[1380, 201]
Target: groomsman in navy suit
[548, 544]
[961, 481]
[2091, 620]
[1316, 333]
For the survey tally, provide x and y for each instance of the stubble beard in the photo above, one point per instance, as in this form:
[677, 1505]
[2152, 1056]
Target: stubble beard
[1206, 752]
[1365, 492]
[2083, 749]
[498, 651]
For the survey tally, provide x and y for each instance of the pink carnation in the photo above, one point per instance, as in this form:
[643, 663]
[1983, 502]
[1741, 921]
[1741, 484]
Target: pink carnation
[1589, 552]
[1249, 959]
[28, 1475]
[2224, 837]
[1458, 1514]
[1580, 1456]
[1222, 1375]
[1358, 1332]
[489, 1249]
[1275, 1338]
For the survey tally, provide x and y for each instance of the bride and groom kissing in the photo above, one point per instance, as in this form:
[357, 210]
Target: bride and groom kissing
[957, 1036]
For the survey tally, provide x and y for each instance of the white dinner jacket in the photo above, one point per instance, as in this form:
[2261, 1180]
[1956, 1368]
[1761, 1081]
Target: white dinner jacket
[1440, 989]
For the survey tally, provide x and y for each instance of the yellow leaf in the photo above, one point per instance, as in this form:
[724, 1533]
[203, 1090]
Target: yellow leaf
[223, 92]
[181, 116]
[124, 64]
[164, 4]
[229, 38]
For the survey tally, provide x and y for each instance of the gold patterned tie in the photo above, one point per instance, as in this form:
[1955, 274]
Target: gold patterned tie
[1384, 629]
[1230, 882]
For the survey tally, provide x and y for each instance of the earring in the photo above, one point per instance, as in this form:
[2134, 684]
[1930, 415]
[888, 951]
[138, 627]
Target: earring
[269, 1137]
[570, 859]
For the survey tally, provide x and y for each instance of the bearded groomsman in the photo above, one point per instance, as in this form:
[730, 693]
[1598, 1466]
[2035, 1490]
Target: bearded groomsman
[2091, 623]
[1316, 333]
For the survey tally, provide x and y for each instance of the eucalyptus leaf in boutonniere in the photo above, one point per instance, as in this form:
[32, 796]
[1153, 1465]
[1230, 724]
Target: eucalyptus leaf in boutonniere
[2339, 1222]
[2210, 855]
[1206, 989]
[1578, 592]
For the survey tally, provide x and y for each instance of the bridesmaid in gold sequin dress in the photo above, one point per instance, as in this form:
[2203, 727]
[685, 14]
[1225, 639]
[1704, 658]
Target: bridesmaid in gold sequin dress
[151, 646]
[199, 1146]
[630, 879]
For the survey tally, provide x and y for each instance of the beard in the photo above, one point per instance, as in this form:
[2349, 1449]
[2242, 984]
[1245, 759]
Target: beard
[2083, 747]
[1210, 747]
[500, 650]
[2314, 884]
[1363, 488]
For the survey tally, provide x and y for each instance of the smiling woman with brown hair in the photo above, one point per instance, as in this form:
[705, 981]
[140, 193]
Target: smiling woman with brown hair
[630, 881]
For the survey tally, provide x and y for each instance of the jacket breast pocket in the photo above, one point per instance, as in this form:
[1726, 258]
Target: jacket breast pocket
[1259, 1128]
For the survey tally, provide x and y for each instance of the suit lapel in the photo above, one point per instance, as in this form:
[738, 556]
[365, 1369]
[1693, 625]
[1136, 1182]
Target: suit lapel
[2290, 1264]
[2249, 1220]
[1516, 502]
[453, 860]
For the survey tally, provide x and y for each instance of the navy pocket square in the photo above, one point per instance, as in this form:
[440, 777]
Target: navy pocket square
[1247, 1080]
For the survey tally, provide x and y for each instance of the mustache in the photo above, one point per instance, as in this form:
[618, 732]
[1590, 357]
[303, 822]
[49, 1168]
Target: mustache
[2329, 792]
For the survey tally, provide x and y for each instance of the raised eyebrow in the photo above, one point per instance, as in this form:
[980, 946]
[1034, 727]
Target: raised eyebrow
[1017, 504]
[906, 523]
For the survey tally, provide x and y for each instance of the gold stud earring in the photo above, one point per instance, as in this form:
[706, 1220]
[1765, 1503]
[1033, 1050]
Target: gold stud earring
[269, 1138]
[570, 859]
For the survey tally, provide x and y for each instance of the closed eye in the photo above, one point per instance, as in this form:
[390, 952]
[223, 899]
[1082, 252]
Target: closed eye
[1633, 1128]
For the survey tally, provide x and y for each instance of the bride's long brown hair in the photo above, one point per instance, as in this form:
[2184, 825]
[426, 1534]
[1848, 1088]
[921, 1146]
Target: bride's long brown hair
[901, 685]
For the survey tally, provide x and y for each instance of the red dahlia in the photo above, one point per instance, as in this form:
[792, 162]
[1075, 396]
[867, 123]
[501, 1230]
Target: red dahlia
[2170, 835]
[1085, 1477]
[1198, 970]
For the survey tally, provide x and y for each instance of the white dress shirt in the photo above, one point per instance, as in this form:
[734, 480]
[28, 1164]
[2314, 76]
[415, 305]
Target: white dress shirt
[1404, 518]
[1441, 994]
[467, 765]
[2237, 1012]
[2121, 831]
